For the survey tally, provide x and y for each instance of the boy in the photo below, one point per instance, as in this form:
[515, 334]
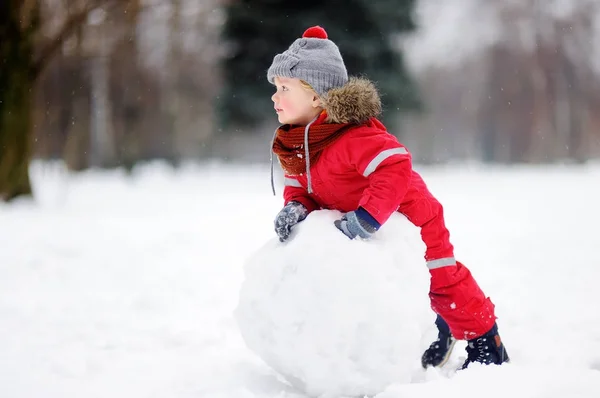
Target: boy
[336, 154]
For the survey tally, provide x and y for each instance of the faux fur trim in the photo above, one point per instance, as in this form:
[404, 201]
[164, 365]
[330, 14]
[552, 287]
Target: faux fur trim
[355, 102]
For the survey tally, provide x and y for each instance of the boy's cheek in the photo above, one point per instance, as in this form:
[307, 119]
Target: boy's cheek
[287, 108]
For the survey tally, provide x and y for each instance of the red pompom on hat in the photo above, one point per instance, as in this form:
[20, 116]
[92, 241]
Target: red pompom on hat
[315, 32]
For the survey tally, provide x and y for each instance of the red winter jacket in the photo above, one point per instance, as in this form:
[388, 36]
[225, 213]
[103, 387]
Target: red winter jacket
[368, 167]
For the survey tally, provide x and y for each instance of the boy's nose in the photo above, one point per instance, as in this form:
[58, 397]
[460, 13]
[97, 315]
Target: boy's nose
[273, 97]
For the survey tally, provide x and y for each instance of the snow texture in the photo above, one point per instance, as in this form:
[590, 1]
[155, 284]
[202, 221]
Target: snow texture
[337, 316]
[126, 287]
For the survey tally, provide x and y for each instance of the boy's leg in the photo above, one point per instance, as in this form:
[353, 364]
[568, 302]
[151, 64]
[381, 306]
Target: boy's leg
[442, 326]
[461, 305]
[454, 293]
[469, 315]
[458, 299]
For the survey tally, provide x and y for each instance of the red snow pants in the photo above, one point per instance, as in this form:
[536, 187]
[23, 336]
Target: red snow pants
[454, 293]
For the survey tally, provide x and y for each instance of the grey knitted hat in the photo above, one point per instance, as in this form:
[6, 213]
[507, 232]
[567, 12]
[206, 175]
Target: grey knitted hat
[312, 58]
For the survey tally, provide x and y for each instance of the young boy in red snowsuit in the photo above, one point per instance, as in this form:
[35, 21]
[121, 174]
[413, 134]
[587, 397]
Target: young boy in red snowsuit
[336, 154]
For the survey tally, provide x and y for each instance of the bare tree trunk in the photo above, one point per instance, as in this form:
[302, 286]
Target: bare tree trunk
[171, 101]
[16, 87]
[488, 115]
[102, 150]
[543, 127]
[77, 144]
[582, 87]
[127, 95]
[564, 107]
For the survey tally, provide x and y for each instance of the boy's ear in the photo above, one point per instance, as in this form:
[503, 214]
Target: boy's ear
[316, 102]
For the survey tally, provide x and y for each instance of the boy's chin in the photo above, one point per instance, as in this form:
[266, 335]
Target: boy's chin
[284, 120]
[289, 120]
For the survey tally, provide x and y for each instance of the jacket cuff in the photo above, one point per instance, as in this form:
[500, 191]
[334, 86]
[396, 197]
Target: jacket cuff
[364, 215]
[306, 202]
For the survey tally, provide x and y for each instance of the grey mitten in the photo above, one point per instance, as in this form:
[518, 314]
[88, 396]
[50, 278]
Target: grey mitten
[290, 215]
[357, 223]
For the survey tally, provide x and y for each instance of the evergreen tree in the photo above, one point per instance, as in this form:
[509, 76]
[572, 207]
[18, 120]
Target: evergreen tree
[256, 30]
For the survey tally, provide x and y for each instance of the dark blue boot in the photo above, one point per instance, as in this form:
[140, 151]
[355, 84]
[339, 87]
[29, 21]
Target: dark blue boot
[487, 349]
[439, 351]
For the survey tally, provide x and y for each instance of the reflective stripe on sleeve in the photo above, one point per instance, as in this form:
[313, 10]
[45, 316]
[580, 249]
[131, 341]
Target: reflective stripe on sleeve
[291, 182]
[441, 262]
[383, 155]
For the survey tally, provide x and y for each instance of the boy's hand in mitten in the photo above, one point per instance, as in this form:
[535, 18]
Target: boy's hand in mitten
[357, 223]
[290, 215]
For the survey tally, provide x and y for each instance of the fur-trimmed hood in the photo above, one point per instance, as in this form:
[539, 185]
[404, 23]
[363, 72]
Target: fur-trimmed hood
[355, 102]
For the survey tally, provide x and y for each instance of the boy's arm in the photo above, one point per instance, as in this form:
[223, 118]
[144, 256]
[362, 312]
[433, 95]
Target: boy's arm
[388, 166]
[294, 191]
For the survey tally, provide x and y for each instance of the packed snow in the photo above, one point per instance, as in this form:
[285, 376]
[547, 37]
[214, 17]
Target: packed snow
[355, 308]
[141, 286]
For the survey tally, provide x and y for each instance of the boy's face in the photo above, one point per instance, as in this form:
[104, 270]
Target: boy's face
[294, 104]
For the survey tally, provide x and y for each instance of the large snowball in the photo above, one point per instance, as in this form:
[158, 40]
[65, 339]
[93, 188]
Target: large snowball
[336, 316]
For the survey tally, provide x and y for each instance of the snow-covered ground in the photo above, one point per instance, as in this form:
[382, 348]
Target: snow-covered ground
[125, 287]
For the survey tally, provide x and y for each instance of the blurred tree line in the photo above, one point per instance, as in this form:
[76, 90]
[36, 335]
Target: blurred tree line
[110, 83]
[507, 81]
[105, 83]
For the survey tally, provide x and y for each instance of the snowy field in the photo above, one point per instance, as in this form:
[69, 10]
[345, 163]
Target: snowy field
[124, 287]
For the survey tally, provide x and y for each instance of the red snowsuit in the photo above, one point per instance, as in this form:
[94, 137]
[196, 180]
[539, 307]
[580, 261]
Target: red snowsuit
[368, 167]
